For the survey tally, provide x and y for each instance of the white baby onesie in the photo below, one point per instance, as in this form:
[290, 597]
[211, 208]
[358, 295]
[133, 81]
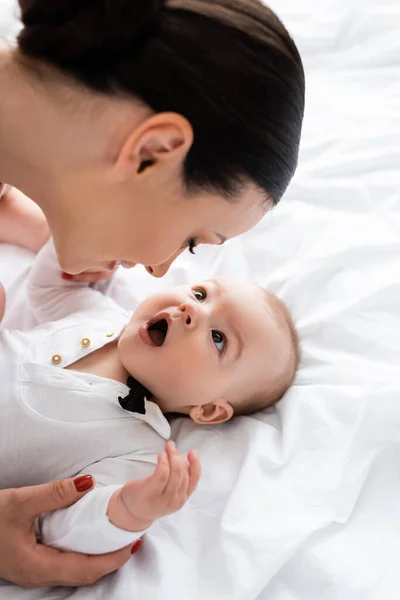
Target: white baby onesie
[60, 423]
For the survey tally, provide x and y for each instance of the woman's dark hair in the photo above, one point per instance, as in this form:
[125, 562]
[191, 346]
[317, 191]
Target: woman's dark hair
[228, 66]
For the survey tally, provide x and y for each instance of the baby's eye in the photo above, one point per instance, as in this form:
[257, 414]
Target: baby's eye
[219, 340]
[200, 294]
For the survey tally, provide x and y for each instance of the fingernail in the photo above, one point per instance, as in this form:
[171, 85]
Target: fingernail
[172, 444]
[66, 276]
[83, 483]
[136, 546]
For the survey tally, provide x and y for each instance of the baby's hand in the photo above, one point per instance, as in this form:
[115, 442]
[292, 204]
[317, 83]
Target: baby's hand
[139, 503]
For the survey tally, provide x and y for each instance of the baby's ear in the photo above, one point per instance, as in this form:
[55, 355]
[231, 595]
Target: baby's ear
[212, 413]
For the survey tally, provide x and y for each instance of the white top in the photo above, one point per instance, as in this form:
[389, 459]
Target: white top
[60, 423]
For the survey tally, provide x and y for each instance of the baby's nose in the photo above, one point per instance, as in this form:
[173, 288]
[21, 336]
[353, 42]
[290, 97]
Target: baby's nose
[188, 314]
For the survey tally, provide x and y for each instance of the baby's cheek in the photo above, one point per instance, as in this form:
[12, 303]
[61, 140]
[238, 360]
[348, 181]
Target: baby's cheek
[181, 379]
[176, 377]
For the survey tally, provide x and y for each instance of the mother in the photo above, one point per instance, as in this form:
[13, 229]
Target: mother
[141, 128]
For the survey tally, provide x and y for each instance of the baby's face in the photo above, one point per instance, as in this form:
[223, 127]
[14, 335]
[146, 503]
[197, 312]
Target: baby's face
[195, 345]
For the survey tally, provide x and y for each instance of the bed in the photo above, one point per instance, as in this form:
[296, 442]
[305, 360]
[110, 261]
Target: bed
[302, 501]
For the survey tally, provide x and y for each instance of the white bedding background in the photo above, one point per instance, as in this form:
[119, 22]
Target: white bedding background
[302, 502]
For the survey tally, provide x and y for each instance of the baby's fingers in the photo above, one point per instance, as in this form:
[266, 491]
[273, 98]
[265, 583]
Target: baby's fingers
[183, 490]
[177, 469]
[161, 475]
[194, 471]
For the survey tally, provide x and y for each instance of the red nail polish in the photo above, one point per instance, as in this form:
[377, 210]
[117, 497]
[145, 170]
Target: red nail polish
[83, 483]
[136, 546]
[66, 276]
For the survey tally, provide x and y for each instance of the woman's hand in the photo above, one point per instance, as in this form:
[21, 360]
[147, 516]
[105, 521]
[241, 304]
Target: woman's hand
[31, 565]
[139, 503]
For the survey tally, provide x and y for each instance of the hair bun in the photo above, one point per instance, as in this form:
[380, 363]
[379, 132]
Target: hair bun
[69, 32]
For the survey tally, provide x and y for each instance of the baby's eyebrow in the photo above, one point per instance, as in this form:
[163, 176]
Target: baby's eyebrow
[216, 284]
[219, 290]
[239, 338]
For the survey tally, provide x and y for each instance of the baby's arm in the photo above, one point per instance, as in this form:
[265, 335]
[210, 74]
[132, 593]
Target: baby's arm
[21, 220]
[113, 516]
[141, 502]
[52, 297]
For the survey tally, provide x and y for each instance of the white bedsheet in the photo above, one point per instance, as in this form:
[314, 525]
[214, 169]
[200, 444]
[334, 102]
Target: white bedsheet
[302, 502]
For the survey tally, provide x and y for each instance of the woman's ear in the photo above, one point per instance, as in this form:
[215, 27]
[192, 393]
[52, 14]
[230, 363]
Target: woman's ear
[212, 413]
[161, 138]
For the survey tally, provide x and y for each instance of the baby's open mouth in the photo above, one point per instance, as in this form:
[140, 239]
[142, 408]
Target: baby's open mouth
[157, 331]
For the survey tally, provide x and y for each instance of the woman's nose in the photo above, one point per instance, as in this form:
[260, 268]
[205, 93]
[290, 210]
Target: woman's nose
[161, 270]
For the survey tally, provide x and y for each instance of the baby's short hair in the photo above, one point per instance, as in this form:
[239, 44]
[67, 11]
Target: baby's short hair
[283, 382]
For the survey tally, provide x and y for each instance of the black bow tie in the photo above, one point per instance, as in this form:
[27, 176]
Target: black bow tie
[135, 400]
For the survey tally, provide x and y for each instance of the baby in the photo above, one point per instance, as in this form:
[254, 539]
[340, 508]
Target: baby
[87, 391]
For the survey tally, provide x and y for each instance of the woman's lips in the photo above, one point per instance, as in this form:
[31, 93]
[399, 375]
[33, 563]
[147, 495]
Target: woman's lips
[125, 264]
[111, 266]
